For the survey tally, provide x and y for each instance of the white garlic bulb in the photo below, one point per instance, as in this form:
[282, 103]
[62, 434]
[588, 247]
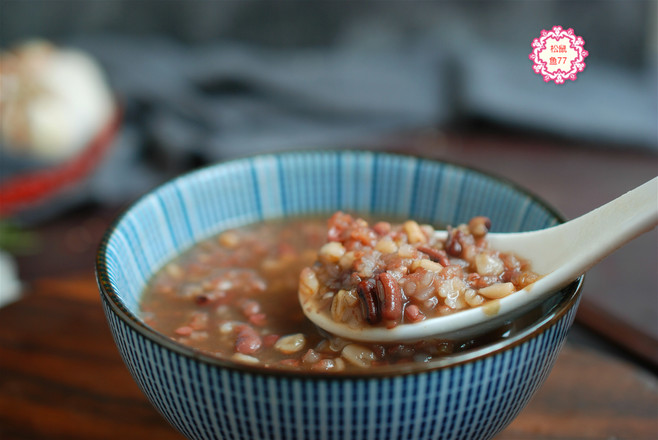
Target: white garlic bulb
[52, 101]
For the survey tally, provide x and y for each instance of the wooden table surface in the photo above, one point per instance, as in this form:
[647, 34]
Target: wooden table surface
[61, 376]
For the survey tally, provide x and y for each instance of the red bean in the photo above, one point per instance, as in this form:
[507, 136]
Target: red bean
[247, 341]
[389, 289]
[270, 340]
[475, 281]
[258, 319]
[202, 300]
[185, 330]
[453, 244]
[369, 301]
[438, 256]
[413, 314]
[509, 275]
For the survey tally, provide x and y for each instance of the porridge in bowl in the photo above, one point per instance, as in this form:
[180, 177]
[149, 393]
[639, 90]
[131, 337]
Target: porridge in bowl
[234, 295]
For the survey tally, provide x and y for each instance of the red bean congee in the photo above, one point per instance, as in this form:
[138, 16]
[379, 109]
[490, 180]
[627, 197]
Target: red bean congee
[388, 274]
[235, 296]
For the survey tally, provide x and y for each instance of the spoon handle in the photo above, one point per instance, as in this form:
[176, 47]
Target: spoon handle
[600, 232]
[570, 249]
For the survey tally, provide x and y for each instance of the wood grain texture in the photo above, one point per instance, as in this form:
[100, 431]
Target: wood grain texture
[589, 395]
[61, 377]
[640, 344]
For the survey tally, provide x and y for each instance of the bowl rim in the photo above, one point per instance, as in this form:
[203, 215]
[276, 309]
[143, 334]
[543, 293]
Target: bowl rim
[110, 296]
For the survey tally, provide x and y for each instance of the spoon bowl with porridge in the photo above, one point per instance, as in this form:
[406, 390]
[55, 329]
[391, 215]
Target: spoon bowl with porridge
[407, 282]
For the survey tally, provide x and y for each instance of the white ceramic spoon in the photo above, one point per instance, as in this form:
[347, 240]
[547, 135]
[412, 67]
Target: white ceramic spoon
[560, 253]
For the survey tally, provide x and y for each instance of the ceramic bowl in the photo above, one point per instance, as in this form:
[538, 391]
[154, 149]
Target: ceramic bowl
[469, 395]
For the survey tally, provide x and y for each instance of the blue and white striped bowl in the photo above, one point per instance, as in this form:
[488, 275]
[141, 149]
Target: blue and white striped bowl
[471, 395]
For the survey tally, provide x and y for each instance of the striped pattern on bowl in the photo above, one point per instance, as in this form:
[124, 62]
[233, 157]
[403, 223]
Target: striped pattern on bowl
[468, 396]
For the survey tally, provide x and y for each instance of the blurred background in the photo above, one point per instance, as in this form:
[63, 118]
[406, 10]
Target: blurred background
[177, 85]
[204, 81]
[100, 101]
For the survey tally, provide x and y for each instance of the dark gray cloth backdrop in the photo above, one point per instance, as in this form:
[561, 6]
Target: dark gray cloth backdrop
[205, 81]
